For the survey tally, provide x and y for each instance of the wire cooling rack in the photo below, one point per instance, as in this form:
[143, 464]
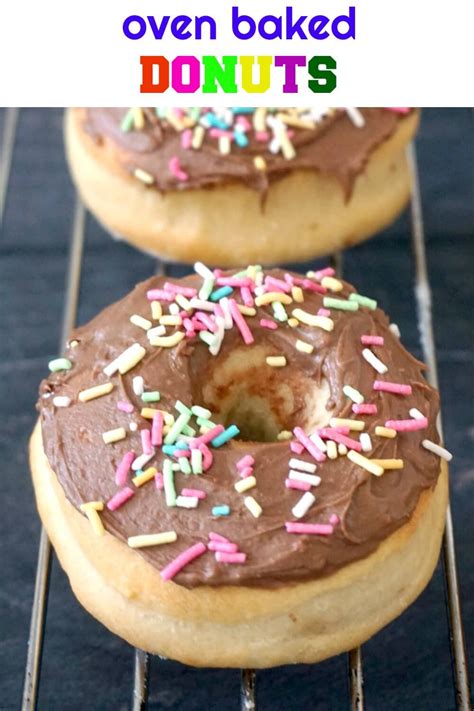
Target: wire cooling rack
[248, 700]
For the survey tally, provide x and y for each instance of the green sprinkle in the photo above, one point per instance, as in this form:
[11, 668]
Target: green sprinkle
[221, 510]
[353, 394]
[342, 304]
[152, 396]
[127, 121]
[208, 338]
[202, 422]
[188, 431]
[182, 408]
[196, 461]
[199, 411]
[364, 301]
[206, 288]
[279, 311]
[59, 364]
[184, 465]
[168, 483]
[177, 428]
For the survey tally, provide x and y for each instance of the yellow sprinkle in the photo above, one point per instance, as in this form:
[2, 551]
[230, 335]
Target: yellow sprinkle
[332, 284]
[284, 435]
[342, 449]
[260, 120]
[385, 432]
[245, 484]
[174, 120]
[304, 347]
[145, 476]
[293, 322]
[183, 302]
[276, 361]
[96, 391]
[297, 294]
[170, 320]
[287, 148]
[152, 539]
[96, 505]
[114, 435]
[167, 341]
[260, 163]
[252, 271]
[253, 506]
[138, 118]
[156, 310]
[271, 296]
[91, 511]
[224, 145]
[295, 121]
[357, 425]
[246, 310]
[323, 322]
[389, 463]
[145, 177]
[148, 412]
[331, 449]
[141, 322]
[365, 463]
[198, 137]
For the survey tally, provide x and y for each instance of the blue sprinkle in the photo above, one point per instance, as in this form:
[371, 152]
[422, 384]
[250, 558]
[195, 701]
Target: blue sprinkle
[215, 122]
[225, 436]
[241, 139]
[220, 293]
[169, 449]
[222, 510]
[243, 110]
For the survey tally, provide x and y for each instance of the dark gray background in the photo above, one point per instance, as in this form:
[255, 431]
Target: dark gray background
[407, 665]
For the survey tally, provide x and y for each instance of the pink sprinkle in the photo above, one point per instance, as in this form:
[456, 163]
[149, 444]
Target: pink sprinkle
[120, 498]
[407, 425]
[176, 170]
[262, 136]
[268, 323]
[341, 439]
[218, 311]
[372, 340]
[208, 322]
[308, 284]
[295, 484]
[220, 133]
[223, 547]
[397, 388]
[183, 314]
[157, 430]
[296, 447]
[198, 325]
[289, 279]
[159, 295]
[236, 282]
[181, 453]
[218, 273]
[247, 461]
[246, 472]
[187, 139]
[324, 312]
[327, 271]
[240, 322]
[217, 537]
[328, 432]
[159, 480]
[209, 435]
[182, 560]
[398, 110]
[277, 284]
[146, 441]
[198, 493]
[244, 122]
[187, 291]
[334, 519]
[364, 408]
[230, 557]
[123, 468]
[320, 529]
[309, 445]
[124, 406]
[246, 295]
[207, 457]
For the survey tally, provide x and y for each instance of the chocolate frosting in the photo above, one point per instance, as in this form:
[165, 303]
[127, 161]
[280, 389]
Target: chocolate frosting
[369, 507]
[335, 147]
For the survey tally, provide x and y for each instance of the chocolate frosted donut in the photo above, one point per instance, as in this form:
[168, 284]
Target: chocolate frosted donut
[170, 180]
[257, 439]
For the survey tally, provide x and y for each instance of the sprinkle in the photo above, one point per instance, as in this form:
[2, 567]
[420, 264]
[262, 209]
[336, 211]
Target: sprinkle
[148, 412]
[142, 460]
[168, 483]
[125, 406]
[182, 560]
[319, 529]
[332, 284]
[95, 392]
[297, 294]
[197, 493]
[203, 271]
[310, 479]
[342, 304]
[389, 463]
[317, 441]
[323, 322]
[397, 388]
[240, 322]
[145, 476]
[138, 385]
[221, 293]
[170, 320]
[244, 484]
[353, 394]
[123, 468]
[296, 484]
[156, 310]
[211, 434]
[365, 442]
[168, 341]
[120, 498]
[331, 450]
[284, 435]
[229, 433]
[304, 504]
[198, 137]
[217, 537]
[385, 432]
[220, 510]
[253, 506]
[141, 322]
[133, 426]
[333, 434]
[176, 170]
[223, 546]
[365, 463]
[91, 510]
[159, 295]
[276, 361]
[303, 466]
[304, 347]
[247, 461]
[152, 539]
[61, 401]
[356, 117]
[366, 408]
[437, 449]
[363, 301]
[416, 413]
[151, 396]
[159, 481]
[145, 436]
[342, 450]
[127, 122]
[311, 447]
[222, 557]
[144, 176]
[271, 297]
[177, 428]
[407, 425]
[279, 311]
[395, 330]
[357, 425]
[59, 364]
[196, 461]
[372, 340]
[126, 360]
[324, 312]
[259, 163]
[245, 472]
[268, 323]
[334, 519]
[372, 359]
[114, 435]
[187, 502]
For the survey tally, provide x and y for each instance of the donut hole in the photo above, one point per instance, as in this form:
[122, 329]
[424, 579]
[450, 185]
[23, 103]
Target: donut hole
[242, 389]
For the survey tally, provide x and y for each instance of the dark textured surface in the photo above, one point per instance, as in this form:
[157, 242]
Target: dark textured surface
[407, 665]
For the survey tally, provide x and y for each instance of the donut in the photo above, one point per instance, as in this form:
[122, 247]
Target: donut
[241, 468]
[172, 183]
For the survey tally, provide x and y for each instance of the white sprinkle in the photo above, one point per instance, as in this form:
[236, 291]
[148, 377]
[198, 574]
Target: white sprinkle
[173, 311]
[353, 394]
[416, 414]
[142, 460]
[201, 305]
[253, 506]
[304, 347]
[61, 401]
[187, 502]
[356, 117]
[302, 465]
[312, 479]
[141, 322]
[332, 449]
[437, 449]
[375, 362]
[126, 360]
[365, 441]
[203, 271]
[183, 302]
[395, 330]
[138, 385]
[276, 361]
[156, 332]
[228, 321]
[133, 427]
[342, 450]
[320, 444]
[303, 505]
[245, 484]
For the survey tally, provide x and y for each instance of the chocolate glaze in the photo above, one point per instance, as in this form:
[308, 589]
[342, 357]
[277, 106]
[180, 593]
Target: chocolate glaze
[335, 148]
[370, 507]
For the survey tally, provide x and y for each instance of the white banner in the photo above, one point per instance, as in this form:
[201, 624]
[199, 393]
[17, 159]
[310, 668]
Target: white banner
[226, 53]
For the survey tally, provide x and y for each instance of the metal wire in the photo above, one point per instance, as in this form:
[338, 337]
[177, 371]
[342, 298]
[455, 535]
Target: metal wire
[8, 143]
[423, 300]
[248, 680]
